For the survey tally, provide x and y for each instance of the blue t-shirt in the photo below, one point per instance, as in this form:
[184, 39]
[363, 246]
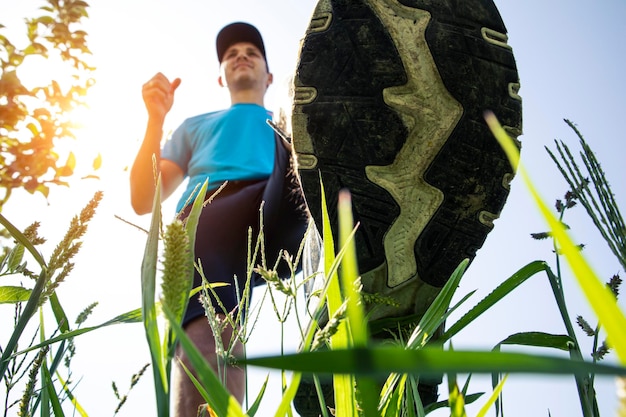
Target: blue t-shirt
[231, 144]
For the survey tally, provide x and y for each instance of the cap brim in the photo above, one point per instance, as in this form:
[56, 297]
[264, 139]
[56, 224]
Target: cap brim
[235, 33]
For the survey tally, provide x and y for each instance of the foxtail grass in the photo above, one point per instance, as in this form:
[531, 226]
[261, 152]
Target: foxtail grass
[36, 360]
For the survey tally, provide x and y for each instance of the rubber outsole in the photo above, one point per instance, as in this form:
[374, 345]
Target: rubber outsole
[389, 102]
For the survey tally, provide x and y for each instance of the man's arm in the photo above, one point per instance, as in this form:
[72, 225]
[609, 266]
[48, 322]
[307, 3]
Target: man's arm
[158, 96]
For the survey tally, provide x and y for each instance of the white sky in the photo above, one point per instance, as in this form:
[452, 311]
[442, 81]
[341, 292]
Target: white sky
[570, 56]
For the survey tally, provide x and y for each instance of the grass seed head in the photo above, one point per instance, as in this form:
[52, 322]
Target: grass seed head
[177, 268]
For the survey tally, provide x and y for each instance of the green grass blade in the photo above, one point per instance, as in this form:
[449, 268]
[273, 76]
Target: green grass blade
[59, 313]
[381, 360]
[203, 392]
[284, 408]
[44, 409]
[357, 324]
[58, 358]
[393, 403]
[29, 310]
[224, 404]
[469, 399]
[22, 240]
[345, 399]
[539, 339]
[456, 400]
[12, 294]
[334, 299]
[257, 401]
[602, 301]
[148, 290]
[438, 311]
[205, 395]
[191, 223]
[77, 407]
[496, 295]
[492, 399]
[350, 272]
[149, 261]
[133, 316]
[414, 401]
[53, 397]
[13, 260]
[191, 226]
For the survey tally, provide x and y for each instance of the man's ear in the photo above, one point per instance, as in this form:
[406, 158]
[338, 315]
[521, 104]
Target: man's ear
[270, 80]
[220, 81]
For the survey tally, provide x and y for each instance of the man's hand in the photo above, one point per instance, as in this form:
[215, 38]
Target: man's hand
[158, 96]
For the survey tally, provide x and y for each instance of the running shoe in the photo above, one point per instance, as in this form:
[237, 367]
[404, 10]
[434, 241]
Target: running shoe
[389, 102]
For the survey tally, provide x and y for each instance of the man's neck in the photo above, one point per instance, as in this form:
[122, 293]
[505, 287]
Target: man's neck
[247, 96]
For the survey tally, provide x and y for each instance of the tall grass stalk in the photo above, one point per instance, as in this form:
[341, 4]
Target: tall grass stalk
[162, 347]
[288, 289]
[45, 388]
[611, 226]
[595, 195]
[601, 299]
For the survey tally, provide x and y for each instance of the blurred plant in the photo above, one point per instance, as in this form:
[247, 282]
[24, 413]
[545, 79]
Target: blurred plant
[15, 363]
[34, 119]
[33, 364]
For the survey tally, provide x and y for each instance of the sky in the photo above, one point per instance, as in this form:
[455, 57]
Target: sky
[570, 58]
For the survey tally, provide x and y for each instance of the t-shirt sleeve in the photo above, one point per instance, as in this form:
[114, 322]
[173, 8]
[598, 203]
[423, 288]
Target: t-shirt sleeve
[177, 148]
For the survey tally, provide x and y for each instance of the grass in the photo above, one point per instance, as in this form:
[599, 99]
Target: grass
[354, 360]
[31, 363]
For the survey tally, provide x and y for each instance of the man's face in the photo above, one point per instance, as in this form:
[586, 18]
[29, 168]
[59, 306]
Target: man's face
[243, 67]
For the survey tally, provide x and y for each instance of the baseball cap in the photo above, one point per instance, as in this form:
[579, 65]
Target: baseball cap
[238, 32]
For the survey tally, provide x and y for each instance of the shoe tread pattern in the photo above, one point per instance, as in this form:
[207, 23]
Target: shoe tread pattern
[350, 126]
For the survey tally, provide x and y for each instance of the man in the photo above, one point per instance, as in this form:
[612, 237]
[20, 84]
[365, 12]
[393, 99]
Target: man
[388, 102]
[236, 147]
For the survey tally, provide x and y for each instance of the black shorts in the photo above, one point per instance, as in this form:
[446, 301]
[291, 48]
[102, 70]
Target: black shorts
[222, 232]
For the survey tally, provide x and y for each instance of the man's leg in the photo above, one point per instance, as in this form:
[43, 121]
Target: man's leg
[221, 246]
[186, 398]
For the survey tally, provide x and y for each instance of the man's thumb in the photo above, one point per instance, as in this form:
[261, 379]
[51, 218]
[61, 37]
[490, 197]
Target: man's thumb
[175, 85]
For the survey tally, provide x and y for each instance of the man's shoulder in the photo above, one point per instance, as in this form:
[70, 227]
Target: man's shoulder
[199, 118]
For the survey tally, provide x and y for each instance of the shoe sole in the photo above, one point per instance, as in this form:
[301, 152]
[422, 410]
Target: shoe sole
[389, 99]
[388, 102]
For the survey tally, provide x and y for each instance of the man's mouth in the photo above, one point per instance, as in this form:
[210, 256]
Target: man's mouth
[243, 65]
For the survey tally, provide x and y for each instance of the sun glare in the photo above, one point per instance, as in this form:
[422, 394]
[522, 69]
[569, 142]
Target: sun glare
[84, 153]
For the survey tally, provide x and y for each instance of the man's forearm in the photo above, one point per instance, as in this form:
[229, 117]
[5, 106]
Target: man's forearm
[145, 168]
